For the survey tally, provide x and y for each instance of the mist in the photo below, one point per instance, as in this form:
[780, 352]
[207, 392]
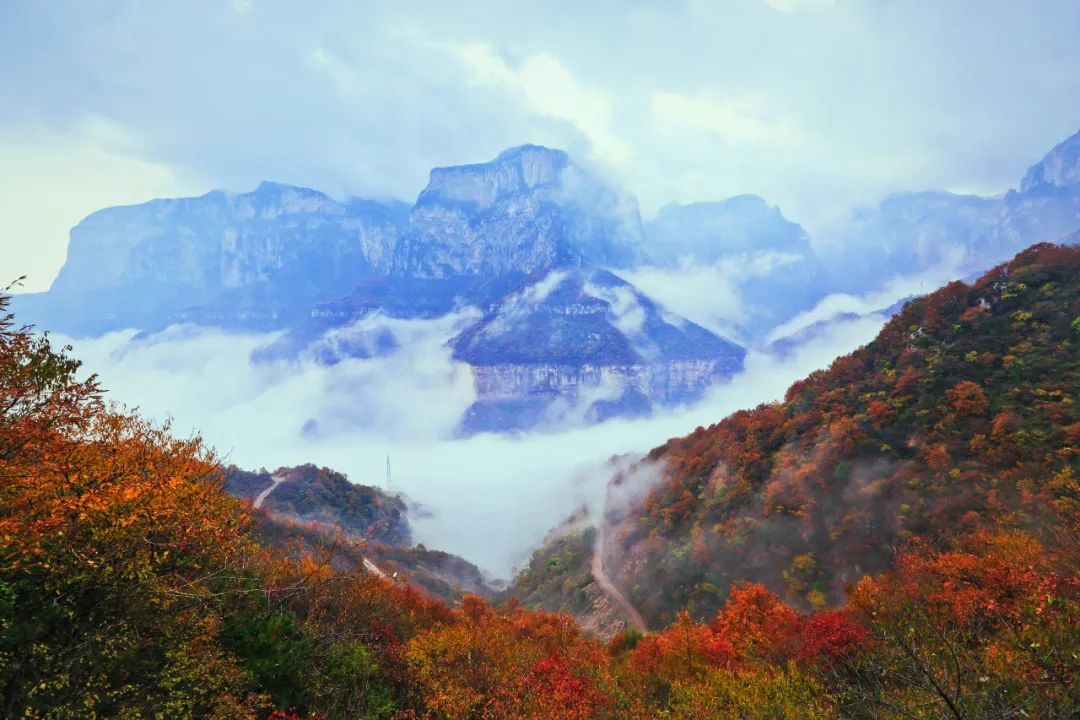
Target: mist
[489, 498]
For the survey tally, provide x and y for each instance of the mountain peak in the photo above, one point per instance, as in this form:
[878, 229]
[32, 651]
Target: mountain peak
[519, 151]
[1059, 168]
[514, 170]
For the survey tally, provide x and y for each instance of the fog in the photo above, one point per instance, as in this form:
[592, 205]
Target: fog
[489, 498]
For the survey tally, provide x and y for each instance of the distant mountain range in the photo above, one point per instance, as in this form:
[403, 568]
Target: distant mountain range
[910, 232]
[532, 243]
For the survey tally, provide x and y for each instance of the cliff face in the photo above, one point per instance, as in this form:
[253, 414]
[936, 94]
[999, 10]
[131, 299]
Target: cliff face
[253, 258]
[663, 381]
[528, 210]
[585, 342]
[1059, 168]
[222, 241]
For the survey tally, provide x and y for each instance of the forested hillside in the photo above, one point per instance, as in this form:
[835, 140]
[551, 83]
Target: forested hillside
[959, 416]
[132, 585]
[310, 494]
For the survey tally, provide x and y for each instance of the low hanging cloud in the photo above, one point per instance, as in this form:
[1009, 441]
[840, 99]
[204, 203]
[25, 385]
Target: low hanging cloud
[490, 498]
[896, 289]
[710, 294]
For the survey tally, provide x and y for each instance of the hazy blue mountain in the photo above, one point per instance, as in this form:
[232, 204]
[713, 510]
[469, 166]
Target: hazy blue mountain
[527, 240]
[585, 343]
[910, 232]
[711, 231]
[257, 259]
[529, 209]
[754, 245]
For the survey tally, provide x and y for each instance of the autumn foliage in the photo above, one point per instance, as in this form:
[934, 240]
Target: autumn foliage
[958, 415]
[132, 585]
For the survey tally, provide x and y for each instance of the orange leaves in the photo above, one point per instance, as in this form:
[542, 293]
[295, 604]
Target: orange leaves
[968, 398]
[936, 457]
[881, 414]
[684, 651]
[756, 623]
[127, 494]
[830, 635]
[517, 664]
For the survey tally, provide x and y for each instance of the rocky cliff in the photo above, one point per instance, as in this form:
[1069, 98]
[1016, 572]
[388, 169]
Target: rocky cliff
[1059, 168]
[251, 259]
[585, 343]
[529, 209]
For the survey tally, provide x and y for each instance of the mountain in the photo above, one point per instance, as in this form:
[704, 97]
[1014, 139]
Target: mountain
[254, 260]
[908, 233]
[312, 507]
[712, 231]
[584, 343]
[529, 209]
[312, 495]
[478, 232]
[479, 236]
[754, 246]
[485, 238]
[960, 414]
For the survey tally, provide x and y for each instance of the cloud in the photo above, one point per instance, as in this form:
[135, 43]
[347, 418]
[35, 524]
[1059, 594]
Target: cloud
[794, 6]
[492, 498]
[227, 98]
[740, 121]
[894, 290]
[627, 315]
[710, 294]
[548, 88]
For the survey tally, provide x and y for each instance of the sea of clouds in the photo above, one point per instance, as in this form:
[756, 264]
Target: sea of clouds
[490, 498]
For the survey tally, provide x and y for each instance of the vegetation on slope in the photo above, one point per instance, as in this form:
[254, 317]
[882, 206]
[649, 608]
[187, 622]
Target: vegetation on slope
[312, 494]
[960, 415]
[132, 585]
[557, 575]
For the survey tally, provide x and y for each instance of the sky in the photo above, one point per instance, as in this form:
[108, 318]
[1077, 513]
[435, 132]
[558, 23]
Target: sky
[820, 106]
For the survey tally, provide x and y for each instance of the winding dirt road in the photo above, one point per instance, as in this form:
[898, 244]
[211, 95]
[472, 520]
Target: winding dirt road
[602, 579]
[277, 480]
[261, 497]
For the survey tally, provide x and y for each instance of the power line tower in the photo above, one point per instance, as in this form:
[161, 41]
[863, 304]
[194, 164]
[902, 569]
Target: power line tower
[387, 472]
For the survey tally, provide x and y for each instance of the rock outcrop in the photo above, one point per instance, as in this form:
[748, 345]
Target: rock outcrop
[529, 209]
[1059, 168]
[585, 344]
[259, 259]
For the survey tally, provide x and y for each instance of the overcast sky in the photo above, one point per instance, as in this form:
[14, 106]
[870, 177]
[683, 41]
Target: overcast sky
[817, 105]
